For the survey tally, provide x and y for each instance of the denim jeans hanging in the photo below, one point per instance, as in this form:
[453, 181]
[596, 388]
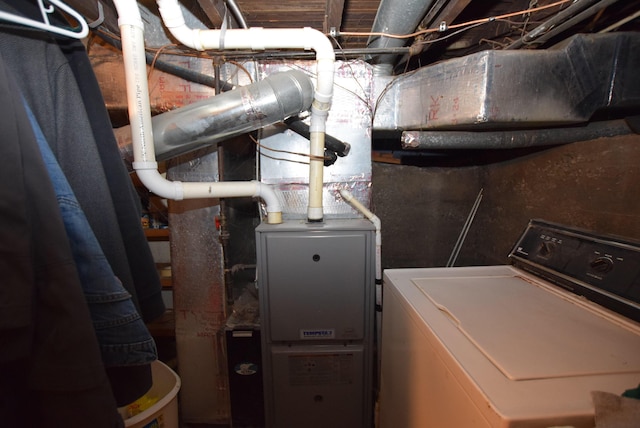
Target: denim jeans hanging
[123, 337]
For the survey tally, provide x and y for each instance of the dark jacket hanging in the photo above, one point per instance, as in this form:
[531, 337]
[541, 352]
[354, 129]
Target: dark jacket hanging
[50, 365]
[61, 89]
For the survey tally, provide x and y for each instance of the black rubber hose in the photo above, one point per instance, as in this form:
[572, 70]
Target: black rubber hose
[330, 157]
[299, 127]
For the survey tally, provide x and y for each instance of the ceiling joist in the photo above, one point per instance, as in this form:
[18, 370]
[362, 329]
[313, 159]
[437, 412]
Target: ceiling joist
[333, 16]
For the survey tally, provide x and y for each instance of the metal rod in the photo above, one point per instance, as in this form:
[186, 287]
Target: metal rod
[557, 19]
[465, 231]
[587, 13]
[237, 13]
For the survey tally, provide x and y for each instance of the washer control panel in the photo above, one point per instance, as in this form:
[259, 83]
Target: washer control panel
[603, 268]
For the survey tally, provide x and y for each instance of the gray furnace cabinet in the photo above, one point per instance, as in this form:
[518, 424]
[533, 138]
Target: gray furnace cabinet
[317, 288]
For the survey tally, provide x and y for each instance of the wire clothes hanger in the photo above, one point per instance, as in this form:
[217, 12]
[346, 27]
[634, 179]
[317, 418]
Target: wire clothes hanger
[46, 10]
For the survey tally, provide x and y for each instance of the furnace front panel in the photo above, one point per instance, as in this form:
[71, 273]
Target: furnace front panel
[316, 287]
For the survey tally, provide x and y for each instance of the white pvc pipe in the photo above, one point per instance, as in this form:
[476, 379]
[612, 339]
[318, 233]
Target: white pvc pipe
[357, 205]
[264, 38]
[132, 34]
[348, 197]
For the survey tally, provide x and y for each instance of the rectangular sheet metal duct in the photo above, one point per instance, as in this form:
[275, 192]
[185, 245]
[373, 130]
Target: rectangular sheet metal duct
[525, 88]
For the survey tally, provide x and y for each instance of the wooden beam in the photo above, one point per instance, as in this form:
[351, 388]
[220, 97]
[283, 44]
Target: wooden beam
[333, 15]
[446, 12]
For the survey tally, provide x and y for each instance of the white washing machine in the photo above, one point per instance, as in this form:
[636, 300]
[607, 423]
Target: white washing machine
[520, 345]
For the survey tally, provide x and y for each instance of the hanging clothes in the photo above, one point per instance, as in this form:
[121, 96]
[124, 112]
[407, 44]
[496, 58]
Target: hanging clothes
[51, 369]
[55, 77]
[122, 335]
[126, 200]
[51, 83]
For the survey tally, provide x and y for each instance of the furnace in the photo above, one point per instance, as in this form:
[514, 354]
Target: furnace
[316, 284]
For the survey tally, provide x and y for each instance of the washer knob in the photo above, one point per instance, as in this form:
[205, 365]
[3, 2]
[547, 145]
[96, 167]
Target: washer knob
[546, 249]
[602, 264]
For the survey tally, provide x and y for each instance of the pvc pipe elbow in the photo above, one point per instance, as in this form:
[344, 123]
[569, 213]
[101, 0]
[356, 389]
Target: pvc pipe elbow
[156, 183]
[350, 199]
[188, 37]
[171, 13]
[128, 13]
[268, 194]
[173, 19]
[320, 43]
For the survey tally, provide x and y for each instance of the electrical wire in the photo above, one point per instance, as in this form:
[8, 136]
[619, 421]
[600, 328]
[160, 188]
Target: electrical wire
[594, 9]
[262, 146]
[461, 30]
[454, 26]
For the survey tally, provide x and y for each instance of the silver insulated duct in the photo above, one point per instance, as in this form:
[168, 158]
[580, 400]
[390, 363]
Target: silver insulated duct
[567, 84]
[394, 17]
[223, 116]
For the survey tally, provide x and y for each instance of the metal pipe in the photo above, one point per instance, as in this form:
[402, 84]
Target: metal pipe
[173, 69]
[422, 140]
[226, 115]
[465, 230]
[620, 23]
[237, 13]
[560, 17]
[587, 13]
[394, 17]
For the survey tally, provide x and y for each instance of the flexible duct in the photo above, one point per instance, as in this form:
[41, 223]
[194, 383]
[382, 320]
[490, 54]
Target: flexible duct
[261, 39]
[394, 17]
[131, 30]
[223, 116]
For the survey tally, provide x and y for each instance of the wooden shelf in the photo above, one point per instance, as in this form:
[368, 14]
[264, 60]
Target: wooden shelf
[157, 234]
[165, 326]
[165, 278]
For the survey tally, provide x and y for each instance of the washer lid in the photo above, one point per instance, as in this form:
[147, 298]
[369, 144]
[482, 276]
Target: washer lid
[528, 332]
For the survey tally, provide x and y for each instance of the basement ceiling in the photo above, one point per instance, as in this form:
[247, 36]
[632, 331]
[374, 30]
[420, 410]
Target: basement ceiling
[448, 28]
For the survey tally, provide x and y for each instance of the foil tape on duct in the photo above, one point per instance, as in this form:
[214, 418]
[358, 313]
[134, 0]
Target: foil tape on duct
[349, 120]
[505, 89]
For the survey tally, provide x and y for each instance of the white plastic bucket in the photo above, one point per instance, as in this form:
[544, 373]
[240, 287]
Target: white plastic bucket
[164, 413]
